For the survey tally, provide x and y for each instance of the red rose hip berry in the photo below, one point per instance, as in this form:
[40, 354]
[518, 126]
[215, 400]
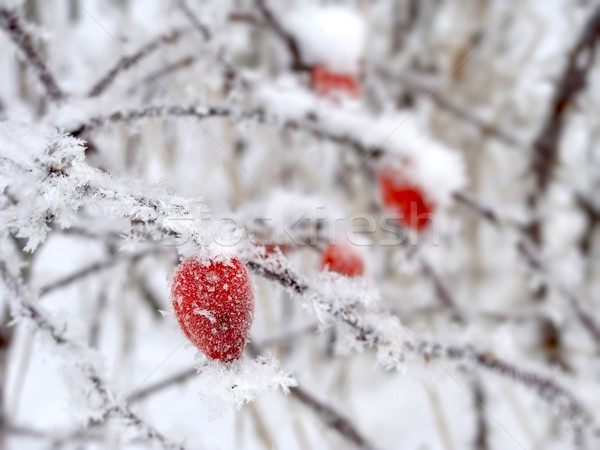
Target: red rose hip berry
[326, 82]
[404, 198]
[214, 305]
[342, 259]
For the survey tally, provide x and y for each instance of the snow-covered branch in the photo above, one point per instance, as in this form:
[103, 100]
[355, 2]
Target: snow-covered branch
[23, 308]
[382, 330]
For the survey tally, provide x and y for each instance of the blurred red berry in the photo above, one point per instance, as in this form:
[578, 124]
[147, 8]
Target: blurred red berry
[404, 198]
[272, 249]
[214, 305]
[342, 259]
[326, 82]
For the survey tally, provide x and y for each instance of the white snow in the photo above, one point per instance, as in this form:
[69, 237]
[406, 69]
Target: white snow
[331, 35]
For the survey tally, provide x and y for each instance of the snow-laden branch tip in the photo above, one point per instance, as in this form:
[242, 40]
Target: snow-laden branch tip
[79, 360]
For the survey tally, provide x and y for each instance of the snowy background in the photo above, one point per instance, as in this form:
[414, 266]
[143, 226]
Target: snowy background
[134, 133]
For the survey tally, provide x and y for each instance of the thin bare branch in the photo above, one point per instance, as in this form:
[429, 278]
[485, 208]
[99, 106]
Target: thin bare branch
[184, 62]
[91, 270]
[451, 106]
[246, 17]
[11, 23]
[199, 26]
[328, 415]
[442, 292]
[482, 210]
[530, 252]
[273, 22]
[481, 441]
[129, 61]
[186, 374]
[572, 81]
[178, 378]
[160, 112]
[331, 417]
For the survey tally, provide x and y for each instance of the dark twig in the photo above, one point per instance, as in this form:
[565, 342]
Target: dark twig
[11, 23]
[442, 291]
[481, 441]
[326, 413]
[142, 394]
[543, 160]
[207, 112]
[451, 106]
[6, 337]
[129, 61]
[290, 336]
[90, 270]
[158, 112]
[530, 252]
[284, 277]
[181, 377]
[331, 417]
[291, 43]
[184, 62]
[482, 210]
[571, 83]
[230, 72]
[199, 26]
[246, 18]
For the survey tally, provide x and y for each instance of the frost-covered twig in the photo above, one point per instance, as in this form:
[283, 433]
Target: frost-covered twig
[375, 328]
[129, 61]
[23, 308]
[150, 112]
[180, 377]
[529, 251]
[341, 138]
[366, 331]
[481, 441]
[11, 24]
[326, 413]
[219, 111]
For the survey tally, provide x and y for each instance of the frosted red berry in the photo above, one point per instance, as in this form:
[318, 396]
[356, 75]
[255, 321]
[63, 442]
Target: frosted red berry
[214, 305]
[404, 198]
[326, 82]
[342, 259]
